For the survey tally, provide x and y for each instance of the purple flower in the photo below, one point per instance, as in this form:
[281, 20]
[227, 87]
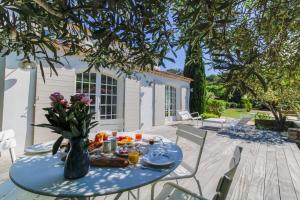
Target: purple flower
[80, 98]
[56, 97]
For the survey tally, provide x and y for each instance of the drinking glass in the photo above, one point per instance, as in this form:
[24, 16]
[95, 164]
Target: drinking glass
[133, 157]
[138, 136]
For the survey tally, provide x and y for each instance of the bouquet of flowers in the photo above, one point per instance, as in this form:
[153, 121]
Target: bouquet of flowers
[69, 119]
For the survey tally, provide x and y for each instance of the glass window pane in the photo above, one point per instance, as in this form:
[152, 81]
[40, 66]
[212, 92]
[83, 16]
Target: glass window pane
[114, 100]
[103, 99]
[92, 109]
[108, 117]
[85, 88]
[115, 90]
[102, 117]
[93, 98]
[108, 100]
[79, 77]
[114, 82]
[93, 78]
[114, 116]
[78, 87]
[103, 79]
[103, 89]
[102, 110]
[114, 110]
[86, 77]
[93, 88]
[108, 110]
[109, 80]
[109, 89]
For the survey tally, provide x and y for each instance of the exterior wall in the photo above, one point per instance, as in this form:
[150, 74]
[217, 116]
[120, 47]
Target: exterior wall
[19, 95]
[149, 78]
[20, 89]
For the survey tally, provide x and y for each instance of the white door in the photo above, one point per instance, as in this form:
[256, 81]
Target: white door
[146, 107]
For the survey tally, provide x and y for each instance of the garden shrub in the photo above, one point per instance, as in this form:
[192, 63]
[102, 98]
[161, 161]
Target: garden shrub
[247, 104]
[263, 116]
[209, 115]
[215, 106]
[233, 105]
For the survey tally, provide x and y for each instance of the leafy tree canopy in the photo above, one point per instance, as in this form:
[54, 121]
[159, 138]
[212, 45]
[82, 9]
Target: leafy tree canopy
[130, 34]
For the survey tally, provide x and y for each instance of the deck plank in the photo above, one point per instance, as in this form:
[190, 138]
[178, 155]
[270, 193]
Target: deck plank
[241, 182]
[257, 186]
[286, 187]
[293, 168]
[271, 181]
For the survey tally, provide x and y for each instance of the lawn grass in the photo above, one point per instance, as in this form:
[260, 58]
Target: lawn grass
[236, 113]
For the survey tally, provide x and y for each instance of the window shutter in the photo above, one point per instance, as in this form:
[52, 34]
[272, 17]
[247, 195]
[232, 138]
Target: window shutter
[132, 105]
[159, 104]
[63, 83]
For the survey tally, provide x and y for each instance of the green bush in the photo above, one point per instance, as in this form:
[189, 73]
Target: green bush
[215, 106]
[233, 105]
[264, 116]
[209, 115]
[247, 104]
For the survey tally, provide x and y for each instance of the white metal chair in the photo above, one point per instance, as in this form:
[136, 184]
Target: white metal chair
[8, 142]
[8, 190]
[185, 170]
[173, 191]
[186, 115]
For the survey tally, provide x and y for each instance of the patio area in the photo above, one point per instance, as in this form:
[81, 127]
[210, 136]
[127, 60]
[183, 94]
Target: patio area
[269, 169]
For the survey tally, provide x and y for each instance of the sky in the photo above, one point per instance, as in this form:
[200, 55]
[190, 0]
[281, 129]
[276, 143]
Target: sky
[179, 62]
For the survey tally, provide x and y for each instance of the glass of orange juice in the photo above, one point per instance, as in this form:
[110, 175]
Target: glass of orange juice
[133, 157]
[114, 133]
[138, 136]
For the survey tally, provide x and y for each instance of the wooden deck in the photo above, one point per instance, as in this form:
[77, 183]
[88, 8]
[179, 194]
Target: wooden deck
[269, 169]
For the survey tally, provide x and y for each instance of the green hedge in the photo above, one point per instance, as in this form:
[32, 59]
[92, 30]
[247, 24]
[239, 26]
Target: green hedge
[209, 115]
[247, 104]
[216, 106]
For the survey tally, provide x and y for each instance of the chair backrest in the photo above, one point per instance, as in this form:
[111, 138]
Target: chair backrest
[7, 134]
[184, 115]
[226, 180]
[194, 135]
[8, 142]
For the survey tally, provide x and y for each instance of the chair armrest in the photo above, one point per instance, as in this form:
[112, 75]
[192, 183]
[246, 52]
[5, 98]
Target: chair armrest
[173, 185]
[197, 114]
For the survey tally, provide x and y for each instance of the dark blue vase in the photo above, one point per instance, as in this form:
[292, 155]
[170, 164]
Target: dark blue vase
[77, 163]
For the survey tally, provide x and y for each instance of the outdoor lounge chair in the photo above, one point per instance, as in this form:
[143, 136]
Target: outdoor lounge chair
[186, 115]
[239, 125]
[184, 170]
[172, 191]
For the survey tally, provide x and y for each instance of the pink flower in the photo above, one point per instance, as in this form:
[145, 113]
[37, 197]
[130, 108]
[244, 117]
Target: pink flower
[86, 100]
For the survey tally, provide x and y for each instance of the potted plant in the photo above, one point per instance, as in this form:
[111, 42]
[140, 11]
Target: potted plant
[71, 121]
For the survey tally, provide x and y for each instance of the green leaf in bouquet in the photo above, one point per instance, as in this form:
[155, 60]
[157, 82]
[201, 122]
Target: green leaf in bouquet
[75, 131]
[56, 145]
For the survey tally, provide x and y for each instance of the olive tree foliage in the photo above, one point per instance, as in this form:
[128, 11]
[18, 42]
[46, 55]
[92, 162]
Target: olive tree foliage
[255, 43]
[128, 34]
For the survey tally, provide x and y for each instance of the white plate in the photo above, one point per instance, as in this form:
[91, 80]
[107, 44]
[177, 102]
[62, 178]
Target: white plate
[158, 158]
[39, 148]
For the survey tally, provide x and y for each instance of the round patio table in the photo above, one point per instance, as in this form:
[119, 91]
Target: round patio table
[44, 175]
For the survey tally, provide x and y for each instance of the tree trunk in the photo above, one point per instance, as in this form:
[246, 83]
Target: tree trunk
[279, 118]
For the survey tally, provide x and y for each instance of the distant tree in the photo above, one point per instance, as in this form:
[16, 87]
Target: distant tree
[175, 71]
[194, 68]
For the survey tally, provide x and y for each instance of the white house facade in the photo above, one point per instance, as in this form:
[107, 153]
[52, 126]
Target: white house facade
[120, 102]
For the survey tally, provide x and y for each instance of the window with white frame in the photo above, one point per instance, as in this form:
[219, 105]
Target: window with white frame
[86, 84]
[170, 101]
[102, 90]
[108, 98]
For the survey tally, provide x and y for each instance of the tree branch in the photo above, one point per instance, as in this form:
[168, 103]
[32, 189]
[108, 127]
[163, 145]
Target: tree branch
[48, 8]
